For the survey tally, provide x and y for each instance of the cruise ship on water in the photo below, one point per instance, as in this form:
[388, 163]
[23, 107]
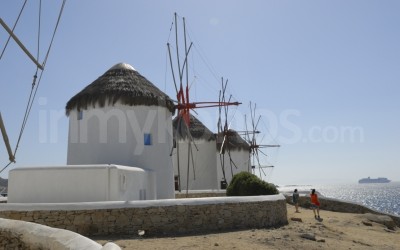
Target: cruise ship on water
[372, 180]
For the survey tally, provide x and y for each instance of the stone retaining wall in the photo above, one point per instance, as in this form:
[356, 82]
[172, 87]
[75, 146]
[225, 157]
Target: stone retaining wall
[336, 205]
[159, 217]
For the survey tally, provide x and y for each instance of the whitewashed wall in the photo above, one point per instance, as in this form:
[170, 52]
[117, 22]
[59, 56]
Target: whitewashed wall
[84, 183]
[239, 157]
[204, 175]
[115, 135]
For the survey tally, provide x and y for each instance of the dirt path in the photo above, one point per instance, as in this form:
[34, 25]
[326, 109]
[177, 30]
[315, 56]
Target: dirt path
[334, 231]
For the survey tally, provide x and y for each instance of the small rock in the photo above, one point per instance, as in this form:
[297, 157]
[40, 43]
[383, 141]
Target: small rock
[366, 223]
[333, 221]
[389, 231]
[308, 236]
[216, 244]
[296, 219]
[321, 240]
[381, 219]
[361, 243]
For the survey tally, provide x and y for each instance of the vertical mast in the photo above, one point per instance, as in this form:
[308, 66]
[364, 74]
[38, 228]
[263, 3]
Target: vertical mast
[177, 50]
[186, 61]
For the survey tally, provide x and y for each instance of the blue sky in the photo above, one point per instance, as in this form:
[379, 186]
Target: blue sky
[324, 74]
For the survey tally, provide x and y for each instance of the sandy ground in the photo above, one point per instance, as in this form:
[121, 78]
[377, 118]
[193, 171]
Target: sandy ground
[334, 231]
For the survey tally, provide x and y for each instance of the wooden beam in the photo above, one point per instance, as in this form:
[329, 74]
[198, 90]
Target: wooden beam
[5, 138]
[20, 44]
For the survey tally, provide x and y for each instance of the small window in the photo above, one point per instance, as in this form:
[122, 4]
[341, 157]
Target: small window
[80, 115]
[147, 139]
[176, 180]
[224, 184]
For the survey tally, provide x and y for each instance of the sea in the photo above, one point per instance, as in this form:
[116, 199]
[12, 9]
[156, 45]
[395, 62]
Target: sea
[382, 197]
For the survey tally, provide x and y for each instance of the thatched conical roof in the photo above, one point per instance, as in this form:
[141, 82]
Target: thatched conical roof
[122, 83]
[197, 129]
[233, 141]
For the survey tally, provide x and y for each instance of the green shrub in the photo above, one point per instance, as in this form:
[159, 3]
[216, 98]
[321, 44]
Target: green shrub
[247, 184]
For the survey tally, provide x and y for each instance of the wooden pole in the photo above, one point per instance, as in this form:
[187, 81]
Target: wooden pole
[20, 44]
[5, 138]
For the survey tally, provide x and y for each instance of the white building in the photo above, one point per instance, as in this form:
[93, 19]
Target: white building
[235, 157]
[80, 183]
[207, 168]
[197, 171]
[122, 118]
[119, 144]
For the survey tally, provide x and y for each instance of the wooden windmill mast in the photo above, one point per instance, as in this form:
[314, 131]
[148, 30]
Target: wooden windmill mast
[184, 105]
[6, 141]
[225, 134]
[39, 66]
[255, 147]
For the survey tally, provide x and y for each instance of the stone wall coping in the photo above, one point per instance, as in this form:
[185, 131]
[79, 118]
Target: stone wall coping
[39, 236]
[136, 204]
[88, 166]
[183, 192]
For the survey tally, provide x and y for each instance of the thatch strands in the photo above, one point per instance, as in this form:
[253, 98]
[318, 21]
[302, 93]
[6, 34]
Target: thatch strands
[197, 129]
[233, 141]
[123, 84]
